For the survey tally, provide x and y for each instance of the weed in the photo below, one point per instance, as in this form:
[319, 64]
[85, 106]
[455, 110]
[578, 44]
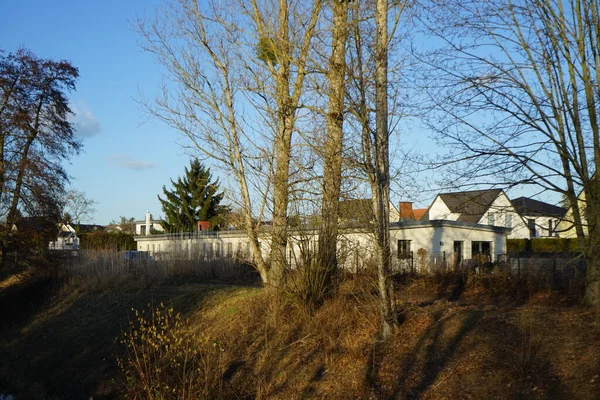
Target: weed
[166, 359]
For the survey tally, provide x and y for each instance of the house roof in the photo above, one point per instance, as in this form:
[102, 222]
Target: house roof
[359, 210]
[419, 213]
[84, 228]
[526, 206]
[470, 205]
[440, 223]
[65, 234]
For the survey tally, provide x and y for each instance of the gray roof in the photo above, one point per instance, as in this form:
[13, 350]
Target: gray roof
[526, 206]
[437, 223]
[470, 205]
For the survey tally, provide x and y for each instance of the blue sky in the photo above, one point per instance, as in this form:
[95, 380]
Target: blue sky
[126, 158]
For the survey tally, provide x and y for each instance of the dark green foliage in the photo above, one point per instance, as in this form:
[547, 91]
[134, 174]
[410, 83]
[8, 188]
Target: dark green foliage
[107, 241]
[195, 197]
[542, 245]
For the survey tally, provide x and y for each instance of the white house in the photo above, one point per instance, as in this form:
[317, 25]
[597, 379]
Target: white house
[481, 207]
[542, 218]
[148, 225]
[66, 239]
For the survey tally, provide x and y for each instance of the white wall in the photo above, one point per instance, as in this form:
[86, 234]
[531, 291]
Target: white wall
[154, 225]
[542, 225]
[439, 210]
[500, 208]
[437, 240]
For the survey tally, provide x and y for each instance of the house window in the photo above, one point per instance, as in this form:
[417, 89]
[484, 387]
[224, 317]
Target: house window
[142, 230]
[491, 219]
[481, 250]
[531, 226]
[550, 227]
[404, 249]
[229, 249]
[508, 220]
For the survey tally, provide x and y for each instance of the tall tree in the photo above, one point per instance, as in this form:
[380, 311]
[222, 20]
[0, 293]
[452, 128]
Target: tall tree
[517, 96]
[332, 158]
[194, 197]
[239, 79]
[368, 105]
[35, 133]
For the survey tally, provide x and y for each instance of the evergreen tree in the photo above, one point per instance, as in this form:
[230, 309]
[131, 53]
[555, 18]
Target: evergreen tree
[193, 198]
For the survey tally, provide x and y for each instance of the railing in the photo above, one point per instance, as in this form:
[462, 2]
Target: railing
[184, 235]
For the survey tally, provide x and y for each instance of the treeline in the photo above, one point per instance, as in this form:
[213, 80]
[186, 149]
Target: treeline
[106, 241]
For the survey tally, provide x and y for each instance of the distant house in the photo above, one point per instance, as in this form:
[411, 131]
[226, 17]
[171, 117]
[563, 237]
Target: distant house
[483, 207]
[542, 218]
[148, 226]
[66, 238]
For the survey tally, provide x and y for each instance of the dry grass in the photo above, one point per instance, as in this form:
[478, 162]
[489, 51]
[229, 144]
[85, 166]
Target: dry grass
[462, 337]
[102, 270]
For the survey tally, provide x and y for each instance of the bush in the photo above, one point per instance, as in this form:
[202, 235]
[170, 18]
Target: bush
[166, 359]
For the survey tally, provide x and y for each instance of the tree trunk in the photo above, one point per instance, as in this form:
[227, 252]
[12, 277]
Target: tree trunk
[332, 160]
[381, 192]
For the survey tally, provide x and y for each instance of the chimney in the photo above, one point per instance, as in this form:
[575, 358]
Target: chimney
[203, 225]
[148, 222]
[406, 211]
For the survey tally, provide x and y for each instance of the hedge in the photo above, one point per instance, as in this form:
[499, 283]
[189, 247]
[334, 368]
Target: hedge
[106, 241]
[543, 245]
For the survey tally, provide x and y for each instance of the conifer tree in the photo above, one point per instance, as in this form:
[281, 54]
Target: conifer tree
[193, 197]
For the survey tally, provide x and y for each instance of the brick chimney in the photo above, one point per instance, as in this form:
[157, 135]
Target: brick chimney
[406, 211]
[203, 225]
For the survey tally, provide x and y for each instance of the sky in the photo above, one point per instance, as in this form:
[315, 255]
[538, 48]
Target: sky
[127, 157]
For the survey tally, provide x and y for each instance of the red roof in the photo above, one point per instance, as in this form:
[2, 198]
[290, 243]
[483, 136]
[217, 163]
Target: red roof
[419, 212]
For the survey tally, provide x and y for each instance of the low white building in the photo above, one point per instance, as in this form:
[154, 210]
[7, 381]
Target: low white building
[414, 244]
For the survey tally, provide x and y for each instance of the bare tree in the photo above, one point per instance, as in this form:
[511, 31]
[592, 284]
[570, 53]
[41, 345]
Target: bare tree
[239, 75]
[79, 207]
[333, 157]
[368, 100]
[517, 96]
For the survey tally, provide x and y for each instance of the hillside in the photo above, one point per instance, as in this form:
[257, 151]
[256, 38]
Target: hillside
[63, 342]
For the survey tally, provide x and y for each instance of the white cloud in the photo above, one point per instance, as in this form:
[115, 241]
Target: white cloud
[84, 122]
[124, 161]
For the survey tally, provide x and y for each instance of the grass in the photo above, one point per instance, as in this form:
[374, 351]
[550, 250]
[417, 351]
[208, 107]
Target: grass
[462, 337]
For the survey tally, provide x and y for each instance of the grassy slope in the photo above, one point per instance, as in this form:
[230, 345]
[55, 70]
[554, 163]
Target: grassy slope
[65, 345]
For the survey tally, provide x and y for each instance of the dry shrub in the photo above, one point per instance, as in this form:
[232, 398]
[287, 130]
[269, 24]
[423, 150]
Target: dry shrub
[166, 359]
[312, 283]
[101, 270]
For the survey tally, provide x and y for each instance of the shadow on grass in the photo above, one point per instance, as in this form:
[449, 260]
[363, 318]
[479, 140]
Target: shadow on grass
[66, 346]
[520, 370]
